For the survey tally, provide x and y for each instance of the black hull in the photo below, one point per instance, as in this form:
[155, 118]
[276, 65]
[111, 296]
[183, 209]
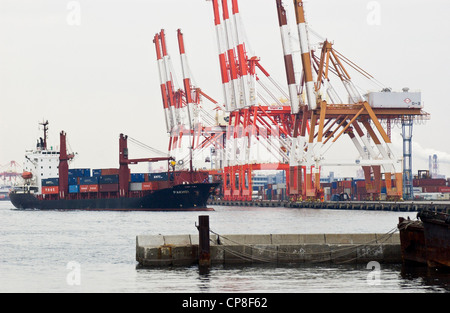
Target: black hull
[186, 197]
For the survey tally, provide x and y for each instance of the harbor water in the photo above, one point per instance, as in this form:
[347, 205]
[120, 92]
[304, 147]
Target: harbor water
[78, 251]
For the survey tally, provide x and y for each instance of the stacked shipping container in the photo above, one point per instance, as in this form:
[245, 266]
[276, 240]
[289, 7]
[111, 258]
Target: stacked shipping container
[105, 180]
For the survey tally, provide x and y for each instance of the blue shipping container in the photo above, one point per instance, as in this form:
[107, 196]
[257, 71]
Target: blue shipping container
[157, 176]
[50, 182]
[89, 180]
[73, 180]
[96, 172]
[80, 172]
[108, 179]
[74, 188]
[137, 177]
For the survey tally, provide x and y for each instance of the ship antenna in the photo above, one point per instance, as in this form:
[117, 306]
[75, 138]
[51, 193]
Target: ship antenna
[45, 124]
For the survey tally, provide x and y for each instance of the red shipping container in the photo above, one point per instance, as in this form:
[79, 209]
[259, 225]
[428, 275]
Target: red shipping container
[93, 188]
[109, 187]
[110, 171]
[88, 188]
[430, 189]
[50, 190]
[444, 189]
[428, 182]
[150, 185]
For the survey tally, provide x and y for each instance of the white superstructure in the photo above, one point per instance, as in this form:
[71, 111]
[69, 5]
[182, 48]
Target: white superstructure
[42, 163]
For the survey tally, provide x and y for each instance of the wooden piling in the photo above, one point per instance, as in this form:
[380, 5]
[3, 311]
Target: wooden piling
[204, 254]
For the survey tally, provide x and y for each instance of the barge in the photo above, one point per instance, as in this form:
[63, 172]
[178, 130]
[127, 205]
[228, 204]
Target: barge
[426, 240]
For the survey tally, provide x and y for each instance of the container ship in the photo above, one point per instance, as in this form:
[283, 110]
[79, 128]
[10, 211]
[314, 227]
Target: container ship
[49, 184]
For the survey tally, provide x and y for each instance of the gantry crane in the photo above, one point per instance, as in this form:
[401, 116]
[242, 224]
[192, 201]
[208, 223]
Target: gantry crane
[299, 133]
[270, 129]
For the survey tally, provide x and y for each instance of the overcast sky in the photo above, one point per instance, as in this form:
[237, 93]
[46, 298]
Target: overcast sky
[89, 66]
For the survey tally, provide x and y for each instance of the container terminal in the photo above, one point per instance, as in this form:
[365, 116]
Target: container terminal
[289, 127]
[266, 126]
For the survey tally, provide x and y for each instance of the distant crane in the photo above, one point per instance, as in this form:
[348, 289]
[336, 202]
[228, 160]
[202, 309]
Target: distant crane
[10, 172]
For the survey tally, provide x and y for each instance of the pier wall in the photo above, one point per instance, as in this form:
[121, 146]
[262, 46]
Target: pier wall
[400, 206]
[182, 250]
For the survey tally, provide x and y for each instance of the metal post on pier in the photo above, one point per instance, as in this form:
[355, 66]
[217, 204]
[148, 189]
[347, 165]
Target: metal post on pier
[204, 255]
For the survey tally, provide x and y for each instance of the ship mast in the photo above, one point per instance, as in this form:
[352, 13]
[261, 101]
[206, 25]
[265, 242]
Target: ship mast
[45, 125]
[124, 161]
[63, 166]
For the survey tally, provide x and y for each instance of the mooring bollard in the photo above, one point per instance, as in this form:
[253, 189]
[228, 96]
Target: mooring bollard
[204, 255]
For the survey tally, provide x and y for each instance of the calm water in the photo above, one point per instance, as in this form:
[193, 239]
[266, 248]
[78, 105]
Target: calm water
[38, 250]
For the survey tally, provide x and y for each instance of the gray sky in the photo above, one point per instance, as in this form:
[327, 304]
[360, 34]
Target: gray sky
[98, 79]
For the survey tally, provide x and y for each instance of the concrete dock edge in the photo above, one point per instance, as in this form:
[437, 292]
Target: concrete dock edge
[182, 250]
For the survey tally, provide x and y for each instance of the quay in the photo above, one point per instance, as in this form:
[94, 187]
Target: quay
[399, 206]
[183, 250]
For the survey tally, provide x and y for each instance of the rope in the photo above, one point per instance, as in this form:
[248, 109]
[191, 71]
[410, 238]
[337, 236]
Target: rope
[407, 223]
[291, 256]
[145, 146]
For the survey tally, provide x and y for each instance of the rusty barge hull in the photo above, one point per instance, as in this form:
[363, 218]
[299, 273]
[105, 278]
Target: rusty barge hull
[437, 238]
[426, 241]
[412, 240]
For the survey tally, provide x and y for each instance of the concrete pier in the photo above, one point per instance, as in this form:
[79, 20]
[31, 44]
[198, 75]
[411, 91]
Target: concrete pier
[182, 250]
[400, 206]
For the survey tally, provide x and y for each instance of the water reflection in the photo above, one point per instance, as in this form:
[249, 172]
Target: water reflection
[204, 278]
[435, 279]
[294, 278]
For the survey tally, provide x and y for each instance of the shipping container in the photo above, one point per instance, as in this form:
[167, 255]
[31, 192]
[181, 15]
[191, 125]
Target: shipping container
[74, 188]
[108, 179]
[50, 190]
[50, 182]
[79, 172]
[96, 172]
[430, 188]
[417, 190]
[88, 188]
[135, 186]
[429, 182]
[137, 177]
[110, 171]
[93, 188]
[88, 180]
[157, 176]
[109, 187]
[150, 185]
[444, 189]
[73, 180]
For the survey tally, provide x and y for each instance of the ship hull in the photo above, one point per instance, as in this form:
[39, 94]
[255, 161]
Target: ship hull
[185, 197]
[426, 241]
[412, 238]
[437, 238]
